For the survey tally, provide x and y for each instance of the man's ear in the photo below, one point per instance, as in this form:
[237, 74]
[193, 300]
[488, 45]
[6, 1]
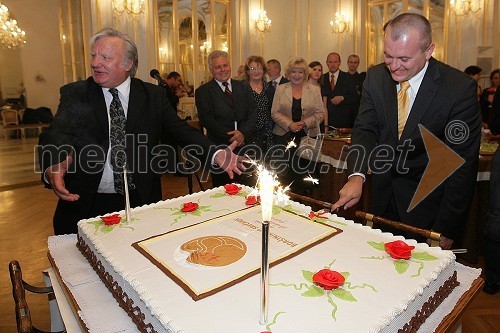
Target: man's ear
[429, 51]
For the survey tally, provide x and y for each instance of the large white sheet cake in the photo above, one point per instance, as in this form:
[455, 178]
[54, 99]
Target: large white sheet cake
[380, 294]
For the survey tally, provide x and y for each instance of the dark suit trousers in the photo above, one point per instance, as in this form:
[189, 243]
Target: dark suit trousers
[68, 214]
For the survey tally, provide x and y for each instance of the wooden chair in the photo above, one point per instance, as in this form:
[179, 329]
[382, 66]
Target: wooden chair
[432, 236]
[19, 286]
[10, 121]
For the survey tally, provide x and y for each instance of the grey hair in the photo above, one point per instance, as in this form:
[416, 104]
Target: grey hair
[402, 24]
[216, 54]
[130, 47]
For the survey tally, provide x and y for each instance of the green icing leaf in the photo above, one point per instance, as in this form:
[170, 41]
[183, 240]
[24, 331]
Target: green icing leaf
[178, 213]
[242, 194]
[379, 246]
[401, 265]
[196, 213]
[276, 210]
[218, 195]
[106, 229]
[344, 295]
[320, 219]
[308, 275]
[313, 291]
[423, 256]
[345, 274]
[204, 208]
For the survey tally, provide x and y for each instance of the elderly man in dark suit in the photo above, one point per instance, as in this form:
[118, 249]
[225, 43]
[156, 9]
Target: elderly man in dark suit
[109, 121]
[441, 99]
[226, 109]
[339, 90]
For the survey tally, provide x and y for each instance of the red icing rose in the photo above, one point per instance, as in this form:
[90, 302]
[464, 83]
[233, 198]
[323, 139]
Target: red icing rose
[399, 249]
[252, 200]
[232, 189]
[328, 279]
[111, 219]
[189, 207]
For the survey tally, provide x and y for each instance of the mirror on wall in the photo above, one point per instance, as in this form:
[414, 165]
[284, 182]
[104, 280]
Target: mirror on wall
[187, 32]
[11, 77]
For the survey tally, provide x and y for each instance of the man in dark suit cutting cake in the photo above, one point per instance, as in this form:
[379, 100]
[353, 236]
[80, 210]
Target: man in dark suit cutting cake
[412, 90]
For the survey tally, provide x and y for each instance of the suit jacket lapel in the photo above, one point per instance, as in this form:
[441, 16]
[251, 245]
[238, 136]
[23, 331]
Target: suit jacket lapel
[136, 102]
[391, 105]
[428, 88]
[96, 99]
[219, 92]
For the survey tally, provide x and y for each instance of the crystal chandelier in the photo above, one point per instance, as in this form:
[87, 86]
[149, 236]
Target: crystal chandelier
[134, 7]
[11, 36]
[261, 21]
[340, 24]
[464, 7]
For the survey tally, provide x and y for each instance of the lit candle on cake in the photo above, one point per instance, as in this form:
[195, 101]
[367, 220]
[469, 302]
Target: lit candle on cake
[266, 189]
[125, 192]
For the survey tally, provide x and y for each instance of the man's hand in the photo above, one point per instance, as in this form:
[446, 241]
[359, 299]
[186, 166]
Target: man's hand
[229, 161]
[237, 136]
[337, 100]
[445, 243]
[55, 176]
[350, 193]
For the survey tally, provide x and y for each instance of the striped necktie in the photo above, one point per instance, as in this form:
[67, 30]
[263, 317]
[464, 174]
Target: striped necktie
[403, 106]
[118, 158]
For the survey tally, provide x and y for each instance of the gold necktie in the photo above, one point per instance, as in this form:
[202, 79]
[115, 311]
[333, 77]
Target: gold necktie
[332, 82]
[403, 106]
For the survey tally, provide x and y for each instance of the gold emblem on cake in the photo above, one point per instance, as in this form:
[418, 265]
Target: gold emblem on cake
[214, 250]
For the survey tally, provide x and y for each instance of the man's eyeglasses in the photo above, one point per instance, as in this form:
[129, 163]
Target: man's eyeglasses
[256, 69]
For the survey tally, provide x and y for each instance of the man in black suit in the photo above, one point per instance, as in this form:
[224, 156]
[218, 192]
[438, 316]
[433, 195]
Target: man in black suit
[105, 122]
[342, 99]
[274, 72]
[173, 80]
[226, 109]
[441, 99]
[358, 78]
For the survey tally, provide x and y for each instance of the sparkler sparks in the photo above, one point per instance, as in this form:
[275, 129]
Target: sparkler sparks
[309, 178]
[291, 144]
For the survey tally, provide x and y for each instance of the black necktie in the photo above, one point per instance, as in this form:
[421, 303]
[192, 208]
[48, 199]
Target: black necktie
[228, 92]
[118, 158]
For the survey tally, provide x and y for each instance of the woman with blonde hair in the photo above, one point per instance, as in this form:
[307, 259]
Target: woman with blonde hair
[297, 111]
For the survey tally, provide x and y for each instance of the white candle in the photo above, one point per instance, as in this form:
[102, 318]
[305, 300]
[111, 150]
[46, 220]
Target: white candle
[125, 192]
[266, 189]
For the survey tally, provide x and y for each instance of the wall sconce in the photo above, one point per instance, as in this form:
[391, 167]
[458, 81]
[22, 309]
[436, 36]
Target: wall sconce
[464, 7]
[134, 7]
[340, 24]
[261, 21]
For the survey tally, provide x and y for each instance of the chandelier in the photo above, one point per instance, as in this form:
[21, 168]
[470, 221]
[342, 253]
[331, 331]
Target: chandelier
[11, 36]
[134, 7]
[340, 24]
[463, 7]
[261, 21]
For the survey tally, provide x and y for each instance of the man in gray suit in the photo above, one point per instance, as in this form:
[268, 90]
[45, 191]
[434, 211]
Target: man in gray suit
[441, 99]
[226, 109]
